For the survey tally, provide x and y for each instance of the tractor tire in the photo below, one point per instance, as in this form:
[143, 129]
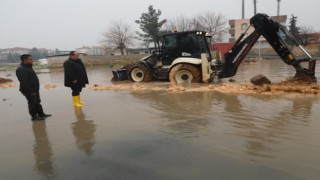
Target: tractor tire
[185, 73]
[140, 73]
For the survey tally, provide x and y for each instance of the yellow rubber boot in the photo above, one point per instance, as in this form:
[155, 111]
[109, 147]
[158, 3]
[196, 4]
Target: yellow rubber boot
[80, 102]
[76, 101]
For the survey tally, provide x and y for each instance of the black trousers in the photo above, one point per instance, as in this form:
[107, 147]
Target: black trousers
[76, 90]
[34, 105]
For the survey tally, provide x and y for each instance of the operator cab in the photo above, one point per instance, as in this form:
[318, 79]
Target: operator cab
[188, 44]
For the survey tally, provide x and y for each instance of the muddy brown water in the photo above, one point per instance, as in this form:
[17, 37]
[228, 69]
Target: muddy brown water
[151, 133]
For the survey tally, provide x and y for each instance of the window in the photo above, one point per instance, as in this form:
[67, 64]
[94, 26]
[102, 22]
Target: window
[169, 44]
[244, 26]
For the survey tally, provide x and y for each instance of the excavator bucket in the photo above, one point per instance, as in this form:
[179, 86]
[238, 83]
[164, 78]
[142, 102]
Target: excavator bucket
[307, 75]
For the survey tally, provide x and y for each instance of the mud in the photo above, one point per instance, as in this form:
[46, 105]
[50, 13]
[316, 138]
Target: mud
[6, 83]
[284, 87]
[4, 80]
[294, 86]
[49, 86]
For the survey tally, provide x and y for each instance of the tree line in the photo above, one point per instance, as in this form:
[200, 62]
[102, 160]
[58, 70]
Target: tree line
[120, 36]
[34, 52]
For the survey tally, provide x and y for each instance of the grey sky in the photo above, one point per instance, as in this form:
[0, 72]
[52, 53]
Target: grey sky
[69, 24]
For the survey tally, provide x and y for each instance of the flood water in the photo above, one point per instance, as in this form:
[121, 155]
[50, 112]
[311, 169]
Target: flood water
[145, 134]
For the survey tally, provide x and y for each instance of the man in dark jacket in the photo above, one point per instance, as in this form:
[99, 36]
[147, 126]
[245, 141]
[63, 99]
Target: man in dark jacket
[75, 77]
[29, 87]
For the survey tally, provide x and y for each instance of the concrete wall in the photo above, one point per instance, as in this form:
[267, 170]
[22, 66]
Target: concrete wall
[57, 61]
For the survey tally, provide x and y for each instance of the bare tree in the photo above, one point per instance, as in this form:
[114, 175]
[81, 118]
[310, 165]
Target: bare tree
[196, 23]
[146, 43]
[210, 22]
[304, 34]
[215, 24]
[180, 23]
[118, 36]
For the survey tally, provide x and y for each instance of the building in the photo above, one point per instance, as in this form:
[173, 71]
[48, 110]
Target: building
[238, 26]
[16, 50]
[220, 48]
[311, 38]
[131, 51]
[92, 51]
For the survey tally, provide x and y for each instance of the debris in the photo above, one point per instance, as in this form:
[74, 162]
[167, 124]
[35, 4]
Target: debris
[6, 83]
[4, 80]
[260, 80]
[49, 86]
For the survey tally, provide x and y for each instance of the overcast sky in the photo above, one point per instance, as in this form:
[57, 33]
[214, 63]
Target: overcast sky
[69, 24]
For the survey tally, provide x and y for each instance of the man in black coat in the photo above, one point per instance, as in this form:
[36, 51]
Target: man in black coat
[75, 77]
[30, 86]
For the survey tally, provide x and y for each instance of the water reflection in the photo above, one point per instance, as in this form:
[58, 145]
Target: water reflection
[257, 124]
[42, 150]
[83, 131]
[186, 113]
[302, 107]
[265, 122]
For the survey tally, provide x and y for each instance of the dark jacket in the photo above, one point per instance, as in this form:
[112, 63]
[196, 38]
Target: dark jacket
[29, 82]
[75, 70]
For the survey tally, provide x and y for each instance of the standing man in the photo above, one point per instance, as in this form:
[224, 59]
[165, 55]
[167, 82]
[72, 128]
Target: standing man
[75, 76]
[29, 87]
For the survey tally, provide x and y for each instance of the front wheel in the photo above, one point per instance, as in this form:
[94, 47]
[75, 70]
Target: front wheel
[185, 73]
[140, 73]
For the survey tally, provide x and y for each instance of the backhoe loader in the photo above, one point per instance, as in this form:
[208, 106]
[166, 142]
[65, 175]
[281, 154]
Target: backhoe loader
[184, 57]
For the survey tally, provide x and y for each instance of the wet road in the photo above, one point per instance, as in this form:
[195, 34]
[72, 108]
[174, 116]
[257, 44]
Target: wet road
[161, 135]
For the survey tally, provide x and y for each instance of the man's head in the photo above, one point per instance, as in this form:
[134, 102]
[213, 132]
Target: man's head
[26, 59]
[74, 55]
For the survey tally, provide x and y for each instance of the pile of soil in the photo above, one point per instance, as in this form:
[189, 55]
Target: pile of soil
[49, 86]
[6, 82]
[285, 87]
[116, 87]
[291, 86]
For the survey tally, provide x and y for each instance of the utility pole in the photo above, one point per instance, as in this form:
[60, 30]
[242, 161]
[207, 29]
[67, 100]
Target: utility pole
[254, 7]
[278, 9]
[242, 9]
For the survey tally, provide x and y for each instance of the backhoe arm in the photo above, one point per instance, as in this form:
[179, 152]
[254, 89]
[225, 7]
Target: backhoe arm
[238, 52]
[281, 41]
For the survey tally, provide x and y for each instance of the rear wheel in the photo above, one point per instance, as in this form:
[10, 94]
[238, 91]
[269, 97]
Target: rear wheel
[140, 73]
[185, 73]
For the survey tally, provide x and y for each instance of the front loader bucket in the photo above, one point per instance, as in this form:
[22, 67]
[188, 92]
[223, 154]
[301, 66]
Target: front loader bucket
[120, 75]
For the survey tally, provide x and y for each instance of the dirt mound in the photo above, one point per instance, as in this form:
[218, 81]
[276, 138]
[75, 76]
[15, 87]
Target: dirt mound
[6, 83]
[285, 87]
[115, 87]
[290, 86]
[4, 80]
[50, 86]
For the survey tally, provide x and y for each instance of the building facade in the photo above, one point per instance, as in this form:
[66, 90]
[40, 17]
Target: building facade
[16, 50]
[238, 26]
